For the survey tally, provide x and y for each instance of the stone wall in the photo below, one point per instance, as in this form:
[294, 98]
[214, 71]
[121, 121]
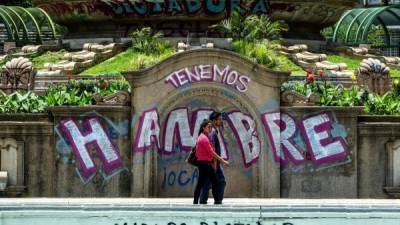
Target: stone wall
[33, 134]
[140, 150]
[375, 133]
[71, 182]
[335, 178]
[50, 170]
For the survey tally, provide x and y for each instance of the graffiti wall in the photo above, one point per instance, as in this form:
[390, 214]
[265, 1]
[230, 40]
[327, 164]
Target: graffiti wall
[328, 143]
[92, 148]
[168, 120]
[269, 149]
[140, 150]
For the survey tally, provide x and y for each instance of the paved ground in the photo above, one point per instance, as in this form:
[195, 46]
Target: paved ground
[181, 211]
[228, 202]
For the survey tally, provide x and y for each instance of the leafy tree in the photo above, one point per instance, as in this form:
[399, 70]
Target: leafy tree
[148, 42]
[376, 36]
[23, 3]
[250, 28]
[261, 27]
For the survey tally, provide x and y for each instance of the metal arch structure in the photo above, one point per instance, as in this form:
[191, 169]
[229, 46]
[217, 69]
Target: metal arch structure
[29, 18]
[28, 26]
[7, 23]
[353, 27]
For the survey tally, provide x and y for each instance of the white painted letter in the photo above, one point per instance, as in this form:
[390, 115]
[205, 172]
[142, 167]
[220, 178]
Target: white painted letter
[244, 128]
[319, 142]
[170, 79]
[205, 72]
[148, 131]
[178, 124]
[96, 136]
[217, 71]
[280, 129]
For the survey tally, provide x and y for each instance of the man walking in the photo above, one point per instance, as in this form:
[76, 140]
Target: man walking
[216, 119]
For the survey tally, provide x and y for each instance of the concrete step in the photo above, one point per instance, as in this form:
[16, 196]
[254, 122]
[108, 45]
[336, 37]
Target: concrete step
[180, 211]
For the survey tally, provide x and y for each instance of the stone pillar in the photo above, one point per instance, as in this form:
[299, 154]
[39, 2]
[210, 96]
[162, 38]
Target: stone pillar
[8, 46]
[374, 76]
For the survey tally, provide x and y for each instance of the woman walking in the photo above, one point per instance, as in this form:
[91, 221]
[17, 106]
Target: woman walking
[205, 156]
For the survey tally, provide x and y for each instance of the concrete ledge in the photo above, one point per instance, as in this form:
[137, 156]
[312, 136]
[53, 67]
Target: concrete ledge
[181, 211]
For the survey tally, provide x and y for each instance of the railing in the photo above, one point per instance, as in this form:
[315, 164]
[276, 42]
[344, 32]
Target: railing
[393, 50]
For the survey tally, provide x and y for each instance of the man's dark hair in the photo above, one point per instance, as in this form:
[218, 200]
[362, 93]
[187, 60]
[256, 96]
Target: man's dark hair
[214, 115]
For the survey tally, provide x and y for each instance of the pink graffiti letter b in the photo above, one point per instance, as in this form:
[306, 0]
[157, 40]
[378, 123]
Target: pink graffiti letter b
[281, 128]
[244, 128]
[97, 137]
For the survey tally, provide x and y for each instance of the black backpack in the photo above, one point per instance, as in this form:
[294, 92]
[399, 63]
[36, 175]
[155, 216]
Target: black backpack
[192, 158]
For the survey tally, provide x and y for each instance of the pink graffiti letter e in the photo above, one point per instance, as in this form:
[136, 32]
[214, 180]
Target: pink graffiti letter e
[319, 141]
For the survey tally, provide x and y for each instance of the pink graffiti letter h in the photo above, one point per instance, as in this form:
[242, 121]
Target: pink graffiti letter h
[96, 136]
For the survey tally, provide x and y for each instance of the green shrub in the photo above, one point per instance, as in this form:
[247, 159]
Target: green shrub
[265, 53]
[81, 92]
[250, 28]
[22, 102]
[329, 94]
[257, 53]
[387, 104]
[335, 95]
[147, 42]
[73, 93]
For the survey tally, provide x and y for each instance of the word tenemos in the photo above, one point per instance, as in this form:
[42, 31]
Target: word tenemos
[208, 73]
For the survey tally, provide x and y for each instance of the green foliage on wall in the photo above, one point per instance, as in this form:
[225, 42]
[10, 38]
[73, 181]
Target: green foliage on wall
[336, 95]
[73, 93]
[22, 102]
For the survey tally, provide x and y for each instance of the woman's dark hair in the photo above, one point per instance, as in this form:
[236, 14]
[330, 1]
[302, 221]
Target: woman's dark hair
[214, 115]
[203, 125]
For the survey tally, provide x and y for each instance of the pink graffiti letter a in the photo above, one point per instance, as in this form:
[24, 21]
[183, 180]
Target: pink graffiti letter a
[97, 137]
[148, 131]
[280, 129]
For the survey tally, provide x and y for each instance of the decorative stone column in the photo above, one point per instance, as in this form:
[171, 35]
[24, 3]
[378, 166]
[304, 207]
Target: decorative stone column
[374, 75]
[17, 74]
